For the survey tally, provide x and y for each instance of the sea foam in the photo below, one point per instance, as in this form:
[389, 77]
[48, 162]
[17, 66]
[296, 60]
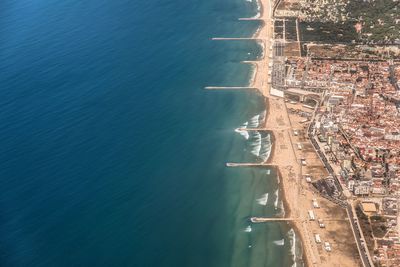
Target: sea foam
[293, 251]
[276, 199]
[279, 242]
[242, 132]
[263, 200]
[256, 144]
[258, 9]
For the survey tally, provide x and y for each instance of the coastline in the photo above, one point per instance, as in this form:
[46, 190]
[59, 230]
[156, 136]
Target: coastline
[286, 205]
[296, 194]
[271, 133]
[277, 156]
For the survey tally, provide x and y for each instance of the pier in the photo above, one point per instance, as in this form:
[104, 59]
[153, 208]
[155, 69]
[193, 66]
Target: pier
[266, 219]
[272, 219]
[261, 164]
[250, 61]
[260, 19]
[229, 88]
[263, 129]
[236, 38]
[255, 129]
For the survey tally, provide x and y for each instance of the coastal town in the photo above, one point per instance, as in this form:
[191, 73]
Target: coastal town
[343, 102]
[331, 79]
[353, 126]
[330, 76]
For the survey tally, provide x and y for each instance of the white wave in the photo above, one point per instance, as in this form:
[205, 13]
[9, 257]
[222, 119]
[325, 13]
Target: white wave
[243, 133]
[260, 144]
[263, 200]
[282, 209]
[249, 1]
[262, 44]
[276, 199]
[258, 10]
[258, 5]
[253, 75]
[248, 229]
[254, 122]
[257, 31]
[262, 116]
[256, 16]
[256, 144]
[292, 238]
[279, 242]
[265, 150]
[268, 172]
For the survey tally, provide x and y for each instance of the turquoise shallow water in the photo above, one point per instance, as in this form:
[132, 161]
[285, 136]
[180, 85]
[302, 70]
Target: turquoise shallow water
[112, 152]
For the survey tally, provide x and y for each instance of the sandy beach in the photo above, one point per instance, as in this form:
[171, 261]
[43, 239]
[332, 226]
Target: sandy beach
[298, 194]
[282, 154]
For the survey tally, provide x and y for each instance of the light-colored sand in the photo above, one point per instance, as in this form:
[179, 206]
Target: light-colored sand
[337, 232]
[298, 193]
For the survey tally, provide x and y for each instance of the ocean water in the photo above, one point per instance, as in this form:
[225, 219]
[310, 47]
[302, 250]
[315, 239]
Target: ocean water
[113, 154]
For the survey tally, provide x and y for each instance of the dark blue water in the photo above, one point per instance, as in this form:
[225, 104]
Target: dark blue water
[112, 154]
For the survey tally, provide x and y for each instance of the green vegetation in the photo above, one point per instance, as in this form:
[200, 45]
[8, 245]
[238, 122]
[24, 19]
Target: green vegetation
[379, 230]
[378, 21]
[378, 224]
[365, 228]
[328, 32]
[377, 218]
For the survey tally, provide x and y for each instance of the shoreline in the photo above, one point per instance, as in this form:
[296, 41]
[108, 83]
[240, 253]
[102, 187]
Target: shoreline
[271, 133]
[296, 193]
[276, 153]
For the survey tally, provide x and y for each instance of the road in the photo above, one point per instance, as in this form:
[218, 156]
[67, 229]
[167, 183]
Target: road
[361, 246]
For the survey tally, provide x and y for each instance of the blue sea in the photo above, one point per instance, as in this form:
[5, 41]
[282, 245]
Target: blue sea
[113, 154]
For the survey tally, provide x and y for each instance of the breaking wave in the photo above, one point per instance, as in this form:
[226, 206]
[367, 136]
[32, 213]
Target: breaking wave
[256, 142]
[279, 242]
[263, 200]
[254, 121]
[253, 75]
[276, 199]
[243, 132]
[265, 149]
[293, 250]
[262, 116]
[258, 9]
[259, 142]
